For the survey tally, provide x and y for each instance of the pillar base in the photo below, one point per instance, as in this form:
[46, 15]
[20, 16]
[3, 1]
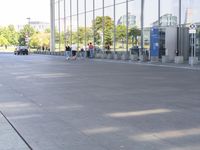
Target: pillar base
[125, 56]
[134, 57]
[179, 60]
[165, 59]
[193, 60]
[154, 59]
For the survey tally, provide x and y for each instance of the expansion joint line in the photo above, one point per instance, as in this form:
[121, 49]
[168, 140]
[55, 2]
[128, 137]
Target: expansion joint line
[16, 131]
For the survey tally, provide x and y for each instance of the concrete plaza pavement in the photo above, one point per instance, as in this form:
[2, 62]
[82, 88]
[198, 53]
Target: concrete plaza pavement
[56, 104]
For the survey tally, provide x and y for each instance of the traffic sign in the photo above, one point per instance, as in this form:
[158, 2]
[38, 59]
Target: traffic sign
[192, 31]
[193, 26]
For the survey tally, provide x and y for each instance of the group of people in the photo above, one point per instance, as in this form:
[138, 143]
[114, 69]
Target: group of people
[71, 51]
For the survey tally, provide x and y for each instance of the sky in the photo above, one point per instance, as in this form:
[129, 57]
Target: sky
[16, 12]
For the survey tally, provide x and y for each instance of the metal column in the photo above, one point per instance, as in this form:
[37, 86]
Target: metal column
[158, 13]
[70, 22]
[52, 12]
[127, 26]
[85, 6]
[77, 25]
[65, 38]
[114, 33]
[59, 23]
[142, 25]
[179, 35]
[93, 22]
[103, 25]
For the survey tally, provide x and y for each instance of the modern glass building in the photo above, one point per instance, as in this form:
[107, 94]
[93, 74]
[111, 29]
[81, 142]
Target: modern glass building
[123, 24]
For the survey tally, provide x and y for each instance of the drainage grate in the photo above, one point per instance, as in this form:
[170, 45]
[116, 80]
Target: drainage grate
[5, 124]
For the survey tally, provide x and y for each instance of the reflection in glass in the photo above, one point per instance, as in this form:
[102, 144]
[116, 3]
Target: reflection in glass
[121, 27]
[109, 26]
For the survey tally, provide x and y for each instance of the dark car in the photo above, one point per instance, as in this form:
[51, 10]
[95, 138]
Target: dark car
[21, 50]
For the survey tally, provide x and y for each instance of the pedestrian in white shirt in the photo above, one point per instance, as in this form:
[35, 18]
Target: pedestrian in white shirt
[74, 51]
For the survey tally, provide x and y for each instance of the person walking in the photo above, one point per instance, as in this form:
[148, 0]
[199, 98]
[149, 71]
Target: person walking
[67, 52]
[83, 52]
[74, 51]
[91, 49]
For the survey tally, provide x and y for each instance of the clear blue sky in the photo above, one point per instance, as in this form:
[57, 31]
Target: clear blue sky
[16, 11]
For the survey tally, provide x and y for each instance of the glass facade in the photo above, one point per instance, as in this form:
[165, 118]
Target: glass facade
[121, 25]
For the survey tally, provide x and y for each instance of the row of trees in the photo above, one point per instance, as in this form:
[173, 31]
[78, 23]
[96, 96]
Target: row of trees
[10, 37]
[95, 32]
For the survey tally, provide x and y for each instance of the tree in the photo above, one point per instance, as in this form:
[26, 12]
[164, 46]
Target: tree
[108, 29]
[40, 40]
[13, 38]
[35, 41]
[48, 30]
[121, 33]
[3, 41]
[26, 32]
[133, 34]
[9, 34]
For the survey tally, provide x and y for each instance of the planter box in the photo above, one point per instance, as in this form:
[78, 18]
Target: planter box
[134, 57]
[165, 59]
[110, 56]
[117, 57]
[125, 56]
[179, 60]
[193, 60]
[98, 55]
[154, 59]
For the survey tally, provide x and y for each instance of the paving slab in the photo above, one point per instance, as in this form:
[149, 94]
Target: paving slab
[100, 105]
[9, 139]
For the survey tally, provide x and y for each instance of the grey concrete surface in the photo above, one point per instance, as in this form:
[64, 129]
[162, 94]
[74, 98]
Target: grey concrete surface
[97, 105]
[9, 139]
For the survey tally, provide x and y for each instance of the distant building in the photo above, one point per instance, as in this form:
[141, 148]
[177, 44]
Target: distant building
[188, 16]
[131, 21]
[37, 25]
[167, 20]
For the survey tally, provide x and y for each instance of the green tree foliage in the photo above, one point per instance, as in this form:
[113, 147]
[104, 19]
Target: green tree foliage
[121, 33]
[108, 29]
[9, 34]
[89, 35]
[3, 41]
[27, 31]
[39, 40]
[133, 34]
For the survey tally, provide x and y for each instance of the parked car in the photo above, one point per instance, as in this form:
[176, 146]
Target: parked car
[21, 50]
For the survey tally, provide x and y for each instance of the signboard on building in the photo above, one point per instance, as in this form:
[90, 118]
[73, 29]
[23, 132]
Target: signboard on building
[154, 46]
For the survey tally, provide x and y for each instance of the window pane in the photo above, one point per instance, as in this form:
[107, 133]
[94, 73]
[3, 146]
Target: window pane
[74, 30]
[68, 30]
[150, 17]
[89, 5]
[108, 2]
[120, 1]
[98, 4]
[74, 7]
[121, 27]
[81, 6]
[134, 23]
[81, 30]
[89, 31]
[98, 39]
[67, 7]
[190, 15]
[169, 13]
[109, 26]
